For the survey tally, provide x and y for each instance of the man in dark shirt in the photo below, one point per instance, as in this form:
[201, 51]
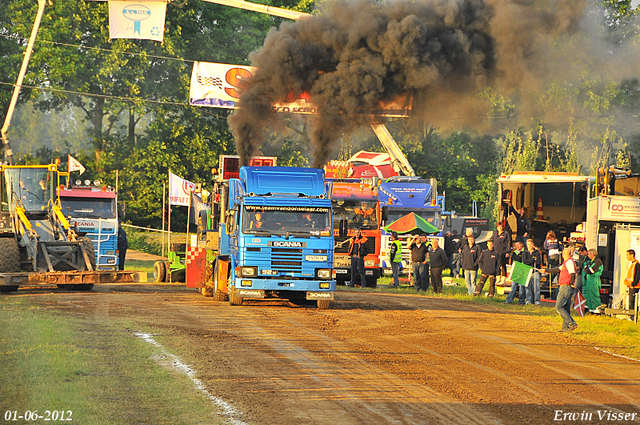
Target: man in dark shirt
[419, 260]
[502, 244]
[357, 251]
[469, 261]
[516, 255]
[123, 245]
[437, 262]
[489, 263]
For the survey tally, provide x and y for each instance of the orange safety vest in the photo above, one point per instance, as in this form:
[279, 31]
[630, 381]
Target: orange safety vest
[631, 274]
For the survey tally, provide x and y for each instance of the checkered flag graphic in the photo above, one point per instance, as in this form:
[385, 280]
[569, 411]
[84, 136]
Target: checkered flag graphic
[210, 82]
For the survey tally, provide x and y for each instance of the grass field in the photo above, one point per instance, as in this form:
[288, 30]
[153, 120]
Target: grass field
[90, 370]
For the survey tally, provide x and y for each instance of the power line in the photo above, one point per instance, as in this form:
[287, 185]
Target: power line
[106, 96]
[100, 49]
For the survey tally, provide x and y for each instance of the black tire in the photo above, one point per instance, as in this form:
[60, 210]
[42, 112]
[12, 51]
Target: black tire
[79, 287]
[372, 282]
[8, 288]
[233, 298]
[323, 304]
[10, 256]
[87, 244]
[207, 291]
[159, 271]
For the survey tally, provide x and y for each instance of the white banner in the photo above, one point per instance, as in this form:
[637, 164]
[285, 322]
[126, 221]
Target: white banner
[179, 190]
[140, 20]
[74, 165]
[221, 85]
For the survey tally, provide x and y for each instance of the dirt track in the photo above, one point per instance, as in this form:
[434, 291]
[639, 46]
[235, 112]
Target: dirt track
[374, 358]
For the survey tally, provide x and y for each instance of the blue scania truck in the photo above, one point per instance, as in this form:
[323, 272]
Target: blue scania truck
[275, 237]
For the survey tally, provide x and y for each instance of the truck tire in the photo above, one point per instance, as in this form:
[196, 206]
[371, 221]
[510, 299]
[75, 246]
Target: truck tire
[207, 291]
[10, 258]
[372, 281]
[220, 296]
[159, 272]
[323, 304]
[79, 287]
[233, 298]
[87, 244]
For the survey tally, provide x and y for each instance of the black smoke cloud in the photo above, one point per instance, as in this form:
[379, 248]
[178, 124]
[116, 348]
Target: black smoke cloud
[351, 54]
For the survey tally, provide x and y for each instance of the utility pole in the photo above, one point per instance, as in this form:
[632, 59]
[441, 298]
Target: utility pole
[8, 154]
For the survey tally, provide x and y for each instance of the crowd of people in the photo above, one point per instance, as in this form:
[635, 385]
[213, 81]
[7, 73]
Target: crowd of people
[569, 269]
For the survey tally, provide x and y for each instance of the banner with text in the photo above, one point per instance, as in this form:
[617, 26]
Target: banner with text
[220, 85]
[179, 190]
[142, 20]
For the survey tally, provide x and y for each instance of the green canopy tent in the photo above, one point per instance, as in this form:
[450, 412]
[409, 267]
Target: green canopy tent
[411, 222]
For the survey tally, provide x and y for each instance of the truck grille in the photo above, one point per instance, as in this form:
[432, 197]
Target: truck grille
[286, 260]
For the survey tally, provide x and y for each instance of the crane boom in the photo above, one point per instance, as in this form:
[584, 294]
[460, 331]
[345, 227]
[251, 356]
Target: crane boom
[8, 154]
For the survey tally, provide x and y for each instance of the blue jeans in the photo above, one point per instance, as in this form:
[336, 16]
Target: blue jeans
[563, 306]
[533, 290]
[456, 259]
[512, 294]
[357, 266]
[470, 277]
[420, 276]
[395, 269]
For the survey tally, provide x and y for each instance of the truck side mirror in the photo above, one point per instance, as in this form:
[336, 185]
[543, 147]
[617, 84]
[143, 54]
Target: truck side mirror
[385, 214]
[447, 221]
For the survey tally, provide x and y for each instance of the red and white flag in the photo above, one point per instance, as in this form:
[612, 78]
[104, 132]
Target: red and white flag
[179, 190]
[74, 165]
[579, 304]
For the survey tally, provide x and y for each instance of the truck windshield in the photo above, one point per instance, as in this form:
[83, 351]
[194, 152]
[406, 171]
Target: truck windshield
[357, 214]
[309, 220]
[32, 186]
[88, 207]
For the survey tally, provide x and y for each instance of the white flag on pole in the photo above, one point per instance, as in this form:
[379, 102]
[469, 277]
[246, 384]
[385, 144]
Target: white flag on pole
[74, 165]
[140, 20]
[179, 190]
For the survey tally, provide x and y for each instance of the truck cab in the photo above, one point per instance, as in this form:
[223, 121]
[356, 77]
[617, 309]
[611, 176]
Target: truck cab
[278, 235]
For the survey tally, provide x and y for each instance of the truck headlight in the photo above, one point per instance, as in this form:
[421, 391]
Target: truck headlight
[369, 263]
[324, 273]
[248, 271]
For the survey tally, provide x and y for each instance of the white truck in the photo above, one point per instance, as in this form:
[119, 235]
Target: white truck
[613, 227]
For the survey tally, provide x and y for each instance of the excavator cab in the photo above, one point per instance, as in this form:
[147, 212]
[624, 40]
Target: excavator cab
[35, 236]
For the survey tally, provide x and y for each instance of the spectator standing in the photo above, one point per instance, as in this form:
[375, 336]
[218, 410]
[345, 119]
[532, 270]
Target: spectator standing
[123, 245]
[632, 280]
[469, 258]
[566, 282]
[489, 263]
[580, 257]
[502, 244]
[533, 257]
[357, 251]
[454, 254]
[552, 247]
[591, 272]
[523, 224]
[437, 262]
[419, 258]
[395, 257]
[516, 255]
[467, 233]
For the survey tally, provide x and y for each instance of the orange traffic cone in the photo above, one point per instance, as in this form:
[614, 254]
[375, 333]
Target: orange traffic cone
[539, 214]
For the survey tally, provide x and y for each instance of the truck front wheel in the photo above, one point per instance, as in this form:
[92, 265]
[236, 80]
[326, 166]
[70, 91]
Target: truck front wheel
[323, 304]
[10, 257]
[233, 298]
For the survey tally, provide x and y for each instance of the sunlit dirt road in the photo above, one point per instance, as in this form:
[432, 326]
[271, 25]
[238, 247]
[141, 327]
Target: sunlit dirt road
[375, 358]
